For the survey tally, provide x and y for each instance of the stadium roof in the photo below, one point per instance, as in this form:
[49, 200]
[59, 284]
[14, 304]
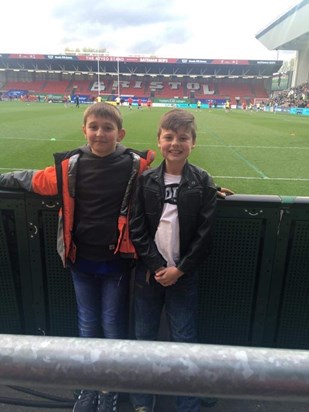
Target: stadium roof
[139, 65]
[288, 32]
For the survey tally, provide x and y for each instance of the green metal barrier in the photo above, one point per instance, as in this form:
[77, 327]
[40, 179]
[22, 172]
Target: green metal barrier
[52, 286]
[15, 280]
[254, 287]
[234, 281]
[288, 311]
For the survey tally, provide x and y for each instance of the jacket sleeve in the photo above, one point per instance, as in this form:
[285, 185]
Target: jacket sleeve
[17, 180]
[201, 244]
[139, 232]
[43, 182]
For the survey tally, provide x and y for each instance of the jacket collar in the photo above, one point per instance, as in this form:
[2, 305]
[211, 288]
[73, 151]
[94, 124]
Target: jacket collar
[185, 175]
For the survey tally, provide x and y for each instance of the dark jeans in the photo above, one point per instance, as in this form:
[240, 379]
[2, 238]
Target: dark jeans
[102, 303]
[181, 305]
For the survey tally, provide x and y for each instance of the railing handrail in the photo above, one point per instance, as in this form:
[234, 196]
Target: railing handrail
[155, 367]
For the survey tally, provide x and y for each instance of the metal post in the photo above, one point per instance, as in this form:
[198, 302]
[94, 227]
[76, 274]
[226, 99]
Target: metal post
[118, 82]
[99, 86]
[155, 367]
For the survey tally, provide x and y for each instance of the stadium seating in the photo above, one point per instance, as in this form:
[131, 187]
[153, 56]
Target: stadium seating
[167, 91]
[259, 90]
[59, 87]
[156, 87]
[106, 85]
[81, 86]
[206, 89]
[30, 86]
[133, 86]
[231, 89]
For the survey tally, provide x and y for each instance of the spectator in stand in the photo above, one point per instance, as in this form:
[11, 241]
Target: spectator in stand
[294, 97]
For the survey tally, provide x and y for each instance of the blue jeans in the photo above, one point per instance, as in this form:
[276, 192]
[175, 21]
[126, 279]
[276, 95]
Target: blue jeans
[102, 303]
[181, 306]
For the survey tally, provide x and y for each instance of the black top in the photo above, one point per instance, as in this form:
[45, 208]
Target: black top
[100, 186]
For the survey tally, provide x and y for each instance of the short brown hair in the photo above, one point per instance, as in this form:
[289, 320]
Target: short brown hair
[104, 110]
[177, 118]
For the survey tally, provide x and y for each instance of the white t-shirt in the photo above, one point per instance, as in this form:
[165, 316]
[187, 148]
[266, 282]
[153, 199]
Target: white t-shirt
[167, 235]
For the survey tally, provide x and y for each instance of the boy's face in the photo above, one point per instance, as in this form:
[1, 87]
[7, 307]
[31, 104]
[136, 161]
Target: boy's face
[175, 147]
[102, 135]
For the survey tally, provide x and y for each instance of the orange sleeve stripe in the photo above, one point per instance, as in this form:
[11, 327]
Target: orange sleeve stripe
[44, 182]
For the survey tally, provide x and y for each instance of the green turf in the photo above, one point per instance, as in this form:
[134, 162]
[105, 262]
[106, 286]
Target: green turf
[249, 152]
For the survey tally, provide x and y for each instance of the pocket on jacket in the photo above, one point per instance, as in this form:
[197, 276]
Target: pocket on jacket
[191, 203]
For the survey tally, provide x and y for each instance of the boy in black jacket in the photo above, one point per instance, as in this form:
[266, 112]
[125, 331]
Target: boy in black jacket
[171, 229]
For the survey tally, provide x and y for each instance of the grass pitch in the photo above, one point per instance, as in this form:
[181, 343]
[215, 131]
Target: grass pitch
[249, 152]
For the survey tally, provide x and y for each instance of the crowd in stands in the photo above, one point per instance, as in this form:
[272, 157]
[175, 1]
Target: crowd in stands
[294, 97]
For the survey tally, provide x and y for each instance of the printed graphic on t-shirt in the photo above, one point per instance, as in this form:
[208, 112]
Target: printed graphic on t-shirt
[171, 193]
[167, 235]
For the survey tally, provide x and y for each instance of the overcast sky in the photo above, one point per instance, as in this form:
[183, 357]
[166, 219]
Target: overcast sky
[208, 29]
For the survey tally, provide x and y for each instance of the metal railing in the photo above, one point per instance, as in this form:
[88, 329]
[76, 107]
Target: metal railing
[155, 367]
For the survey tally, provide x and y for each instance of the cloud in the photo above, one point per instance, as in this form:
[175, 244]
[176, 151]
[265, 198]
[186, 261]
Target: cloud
[165, 28]
[137, 28]
[170, 34]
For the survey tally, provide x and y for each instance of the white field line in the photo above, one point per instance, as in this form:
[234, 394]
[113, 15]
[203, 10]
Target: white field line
[263, 178]
[254, 147]
[214, 176]
[132, 143]
[198, 145]
[44, 139]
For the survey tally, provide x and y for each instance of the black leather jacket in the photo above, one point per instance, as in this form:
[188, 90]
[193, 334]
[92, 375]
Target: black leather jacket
[196, 202]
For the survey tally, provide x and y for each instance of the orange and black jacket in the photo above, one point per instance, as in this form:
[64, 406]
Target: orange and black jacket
[60, 180]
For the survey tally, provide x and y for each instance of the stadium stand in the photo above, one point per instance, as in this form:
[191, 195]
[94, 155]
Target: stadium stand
[232, 88]
[215, 89]
[81, 86]
[61, 87]
[31, 77]
[130, 86]
[141, 77]
[165, 89]
[29, 86]
[259, 90]
[295, 96]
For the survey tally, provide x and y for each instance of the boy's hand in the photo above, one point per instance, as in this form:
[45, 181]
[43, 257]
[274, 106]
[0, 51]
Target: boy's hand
[168, 276]
[223, 192]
